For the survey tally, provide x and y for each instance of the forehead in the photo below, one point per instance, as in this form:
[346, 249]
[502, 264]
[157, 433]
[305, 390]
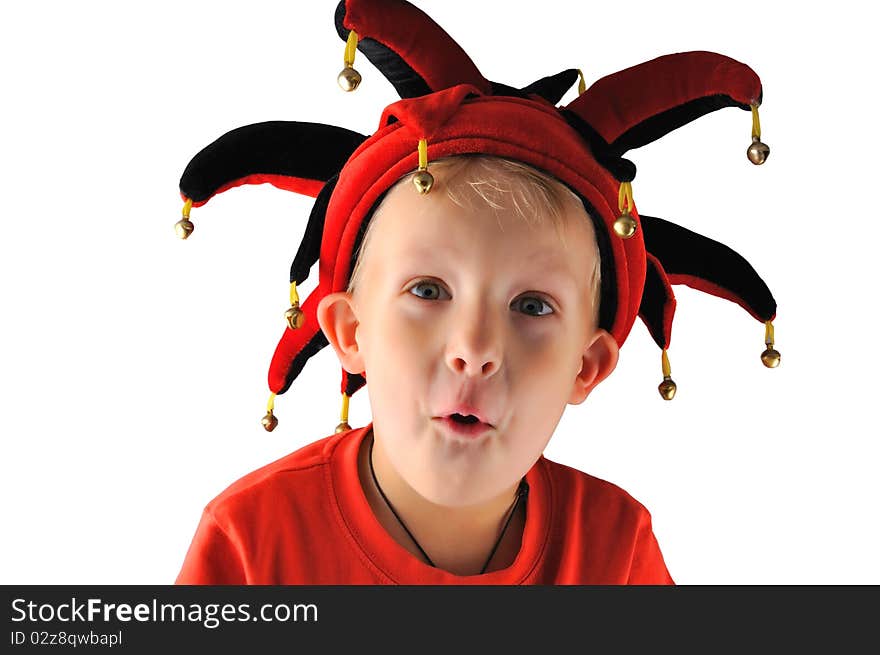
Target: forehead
[409, 225]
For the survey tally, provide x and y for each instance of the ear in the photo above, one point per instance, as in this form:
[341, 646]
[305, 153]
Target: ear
[598, 361]
[338, 321]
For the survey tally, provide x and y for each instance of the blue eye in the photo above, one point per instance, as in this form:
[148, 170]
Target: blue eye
[532, 306]
[430, 290]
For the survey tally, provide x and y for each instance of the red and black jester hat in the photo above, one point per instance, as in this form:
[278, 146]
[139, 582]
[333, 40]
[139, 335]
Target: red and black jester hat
[448, 108]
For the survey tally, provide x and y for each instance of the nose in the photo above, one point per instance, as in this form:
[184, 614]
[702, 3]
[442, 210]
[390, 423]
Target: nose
[474, 345]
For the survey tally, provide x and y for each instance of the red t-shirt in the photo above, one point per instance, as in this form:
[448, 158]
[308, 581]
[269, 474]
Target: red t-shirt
[304, 519]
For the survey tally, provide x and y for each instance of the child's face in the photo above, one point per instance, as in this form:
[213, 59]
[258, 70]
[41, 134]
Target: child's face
[456, 306]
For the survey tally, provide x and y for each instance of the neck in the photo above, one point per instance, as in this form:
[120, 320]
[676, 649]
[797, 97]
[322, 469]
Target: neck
[456, 539]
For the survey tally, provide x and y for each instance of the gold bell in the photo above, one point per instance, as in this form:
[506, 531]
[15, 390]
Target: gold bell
[349, 79]
[667, 388]
[342, 427]
[423, 181]
[771, 358]
[625, 225]
[758, 151]
[184, 228]
[295, 317]
[269, 421]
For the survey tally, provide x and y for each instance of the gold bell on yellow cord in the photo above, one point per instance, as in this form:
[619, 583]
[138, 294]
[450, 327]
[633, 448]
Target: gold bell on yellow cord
[770, 357]
[667, 388]
[294, 315]
[269, 421]
[757, 151]
[625, 224]
[423, 180]
[343, 424]
[349, 79]
[184, 226]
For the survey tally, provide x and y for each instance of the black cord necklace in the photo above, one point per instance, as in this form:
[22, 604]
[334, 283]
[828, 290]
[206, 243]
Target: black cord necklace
[521, 492]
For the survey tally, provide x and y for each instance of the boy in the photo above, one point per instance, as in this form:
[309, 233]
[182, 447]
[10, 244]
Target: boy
[495, 318]
[474, 322]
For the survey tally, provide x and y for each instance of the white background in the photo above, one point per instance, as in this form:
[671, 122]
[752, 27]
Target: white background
[134, 364]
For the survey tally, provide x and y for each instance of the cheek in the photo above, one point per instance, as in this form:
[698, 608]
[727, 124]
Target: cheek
[397, 342]
[545, 361]
[416, 327]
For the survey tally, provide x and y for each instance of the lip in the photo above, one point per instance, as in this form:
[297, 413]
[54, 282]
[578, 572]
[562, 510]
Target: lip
[464, 409]
[470, 430]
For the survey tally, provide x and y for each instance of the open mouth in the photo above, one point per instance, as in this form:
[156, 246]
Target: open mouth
[466, 425]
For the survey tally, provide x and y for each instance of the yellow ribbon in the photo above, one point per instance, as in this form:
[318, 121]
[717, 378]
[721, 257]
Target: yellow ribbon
[625, 197]
[423, 154]
[350, 48]
[344, 413]
[768, 334]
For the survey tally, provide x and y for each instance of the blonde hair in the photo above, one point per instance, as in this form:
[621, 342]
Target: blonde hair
[501, 183]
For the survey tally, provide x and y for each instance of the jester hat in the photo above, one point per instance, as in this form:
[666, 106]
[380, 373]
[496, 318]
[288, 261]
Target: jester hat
[448, 108]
